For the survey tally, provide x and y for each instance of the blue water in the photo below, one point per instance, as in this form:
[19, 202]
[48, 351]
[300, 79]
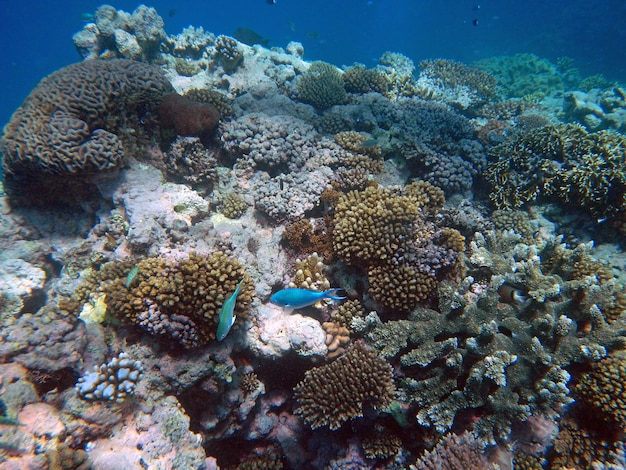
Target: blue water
[36, 36]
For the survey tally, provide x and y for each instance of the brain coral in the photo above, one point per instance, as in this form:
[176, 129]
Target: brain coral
[69, 127]
[180, 300]
[337, 392]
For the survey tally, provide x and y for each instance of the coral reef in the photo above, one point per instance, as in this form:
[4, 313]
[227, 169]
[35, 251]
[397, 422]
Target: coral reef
[359, 79]
[560, 162]
[384, 232]
[113, 381]
[337, 392]
[456, 84]
[116, 33]
[179, 300]
[228, 53]
[322, 86]
[71, 126]
[455, 452]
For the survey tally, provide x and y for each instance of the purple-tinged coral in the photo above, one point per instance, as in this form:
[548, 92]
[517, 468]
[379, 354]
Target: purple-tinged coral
[113, 382]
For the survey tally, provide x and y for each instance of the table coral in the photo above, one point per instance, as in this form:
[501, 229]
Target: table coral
[514, 358]
[337, 392]
[71, 126]
[181, 300]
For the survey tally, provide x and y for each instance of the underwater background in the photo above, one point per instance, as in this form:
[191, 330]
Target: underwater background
[36, 33]
[313, 235]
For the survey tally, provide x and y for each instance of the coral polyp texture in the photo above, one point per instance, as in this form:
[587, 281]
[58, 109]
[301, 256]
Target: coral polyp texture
[332, 394]
[322, 86]
[71, 128]
[385, 232]
[178, 300]
[114, 381]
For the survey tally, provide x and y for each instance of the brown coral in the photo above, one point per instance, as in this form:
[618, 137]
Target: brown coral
[337, 392]
[228, 53]
[399, 287]
[451, 74]
[187, 117]
[337, 337]
[359, 79]
[358, 142]
[233, 206]
[219, 100]
[322, 86]
[347, 311]
[177, 299]
[604, 388]
[310, 274]
[455, 452]
[71, 128]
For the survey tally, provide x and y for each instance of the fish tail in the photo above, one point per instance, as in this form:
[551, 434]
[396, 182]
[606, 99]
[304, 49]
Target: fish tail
[329, 294]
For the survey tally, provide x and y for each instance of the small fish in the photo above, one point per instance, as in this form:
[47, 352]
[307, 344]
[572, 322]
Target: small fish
[10, 421]
[511, 295]
[300, 298]
[369, 143]
[226, 318]
[86, 17]
[132, 274]
[475, 21]
[271, 2]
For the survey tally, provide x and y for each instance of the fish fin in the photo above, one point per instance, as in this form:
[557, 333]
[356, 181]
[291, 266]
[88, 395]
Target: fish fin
[329, 294]
[233, 322]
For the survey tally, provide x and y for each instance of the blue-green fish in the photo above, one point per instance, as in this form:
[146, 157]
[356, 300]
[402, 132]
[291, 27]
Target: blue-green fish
[226, 318]
[300, 298]
[132, 274]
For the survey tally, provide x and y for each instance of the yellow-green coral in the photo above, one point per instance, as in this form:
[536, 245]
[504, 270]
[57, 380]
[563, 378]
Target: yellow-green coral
[359, 79]
[189, 293]
[322, 86]
[233, 206]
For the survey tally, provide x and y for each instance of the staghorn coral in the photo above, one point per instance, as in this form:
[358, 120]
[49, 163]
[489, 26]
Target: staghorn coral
[337, 392]
[72, 127]
[456, 84]
[180, 300]
[322, 86]
[228, 53]
[564, 163]
[113, 381]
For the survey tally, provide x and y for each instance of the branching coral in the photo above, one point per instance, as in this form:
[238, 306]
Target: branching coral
[113, 381]
[505, 359]
[322, 86]
[359, 79]
[228, 53]
[384, 231]
[180, 300]
[337, 392]
[562, 162]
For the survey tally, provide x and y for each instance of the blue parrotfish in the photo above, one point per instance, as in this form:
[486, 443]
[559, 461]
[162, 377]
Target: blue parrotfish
[300, 298]
[226, 318]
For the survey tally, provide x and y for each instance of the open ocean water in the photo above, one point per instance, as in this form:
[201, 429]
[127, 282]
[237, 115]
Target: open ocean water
[36, 35]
